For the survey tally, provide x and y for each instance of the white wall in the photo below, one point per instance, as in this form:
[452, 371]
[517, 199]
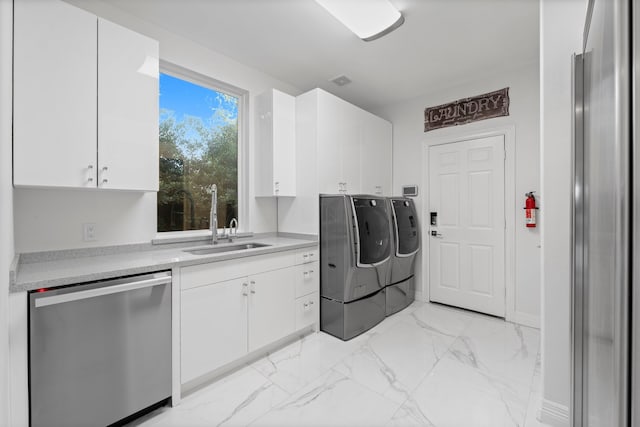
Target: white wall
[409, 139]
[6, 200]
[561, 27]
[52, 219]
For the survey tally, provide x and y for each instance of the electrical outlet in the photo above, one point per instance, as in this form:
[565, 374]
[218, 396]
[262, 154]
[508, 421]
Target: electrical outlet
[89, 232]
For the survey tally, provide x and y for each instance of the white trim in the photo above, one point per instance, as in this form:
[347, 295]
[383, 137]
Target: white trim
[176, 362]
[243, 131]
[554, 414]
[509, 133]
[18, 360]
[526, 319]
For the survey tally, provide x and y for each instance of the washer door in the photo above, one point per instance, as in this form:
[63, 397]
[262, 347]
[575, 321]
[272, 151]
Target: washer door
[372, 227]
[406, 227]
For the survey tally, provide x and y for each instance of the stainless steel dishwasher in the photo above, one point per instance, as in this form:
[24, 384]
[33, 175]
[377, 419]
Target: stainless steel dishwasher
[99, 352]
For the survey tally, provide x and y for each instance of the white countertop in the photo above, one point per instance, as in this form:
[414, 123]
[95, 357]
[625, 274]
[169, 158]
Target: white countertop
[49, 273]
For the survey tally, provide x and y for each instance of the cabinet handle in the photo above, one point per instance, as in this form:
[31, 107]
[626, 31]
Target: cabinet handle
[104, 181]
[90, 179]
[244, 289]
[105, 168]
[311, 254]
[90, 167]
[253, 290]
[310, 302]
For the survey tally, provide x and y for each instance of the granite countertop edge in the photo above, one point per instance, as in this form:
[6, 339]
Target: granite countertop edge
[181, 259]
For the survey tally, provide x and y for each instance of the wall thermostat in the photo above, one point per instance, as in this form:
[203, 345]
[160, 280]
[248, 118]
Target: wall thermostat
[409, 190]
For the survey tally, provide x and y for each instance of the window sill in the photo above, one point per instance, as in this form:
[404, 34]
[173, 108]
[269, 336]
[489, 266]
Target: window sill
[191, 236]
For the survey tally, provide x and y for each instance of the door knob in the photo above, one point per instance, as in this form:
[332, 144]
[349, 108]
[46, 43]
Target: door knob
[434, 233]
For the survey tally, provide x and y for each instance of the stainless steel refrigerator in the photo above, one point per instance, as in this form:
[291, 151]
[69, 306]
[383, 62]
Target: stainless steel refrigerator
[606, 221]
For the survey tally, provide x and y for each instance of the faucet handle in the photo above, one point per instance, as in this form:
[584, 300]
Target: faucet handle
[233, 226]
[212, 188]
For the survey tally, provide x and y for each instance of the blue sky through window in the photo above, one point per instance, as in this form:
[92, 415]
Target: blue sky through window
[183, 98]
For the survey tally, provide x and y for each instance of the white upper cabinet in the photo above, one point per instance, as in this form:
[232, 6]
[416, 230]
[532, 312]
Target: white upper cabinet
[275, 161]
[337, 145]
[85, 101]
[127, 109]
[55, 109]
[353, 146]
[375, 155]
[342, 149]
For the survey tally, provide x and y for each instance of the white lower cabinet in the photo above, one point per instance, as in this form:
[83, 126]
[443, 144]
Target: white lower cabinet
[213, 327]
[223, 319]
[270, 307]
[307, 310]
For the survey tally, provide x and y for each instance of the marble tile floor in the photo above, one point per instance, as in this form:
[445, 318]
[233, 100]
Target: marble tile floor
[429, 365]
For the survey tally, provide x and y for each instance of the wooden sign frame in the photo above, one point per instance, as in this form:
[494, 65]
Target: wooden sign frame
[467, 110]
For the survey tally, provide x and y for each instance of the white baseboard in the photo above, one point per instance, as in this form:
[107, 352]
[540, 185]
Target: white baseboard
[554, 414]
[420, 297]
[525, 319]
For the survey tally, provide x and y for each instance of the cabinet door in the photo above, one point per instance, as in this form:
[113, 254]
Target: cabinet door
[284, 144]
[331, 137]
[350, 149]
[264, 150]
[271, 306]
[55, 95]
[127, 109]
[213, 327]
[376, 152]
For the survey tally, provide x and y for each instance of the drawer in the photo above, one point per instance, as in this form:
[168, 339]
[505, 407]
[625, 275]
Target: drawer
[307, 278]
[308, 255]
[214, 272]
[307, 309]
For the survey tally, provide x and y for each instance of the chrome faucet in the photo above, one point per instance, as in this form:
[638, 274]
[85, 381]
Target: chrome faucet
[213, 215]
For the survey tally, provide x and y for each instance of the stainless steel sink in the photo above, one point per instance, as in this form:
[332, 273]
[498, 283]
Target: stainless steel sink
[226, 248]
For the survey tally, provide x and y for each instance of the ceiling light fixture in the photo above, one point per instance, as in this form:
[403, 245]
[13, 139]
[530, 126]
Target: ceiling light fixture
[368, 19]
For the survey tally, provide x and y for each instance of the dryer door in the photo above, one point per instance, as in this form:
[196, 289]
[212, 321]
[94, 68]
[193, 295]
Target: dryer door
[405, 227]
[373, 245]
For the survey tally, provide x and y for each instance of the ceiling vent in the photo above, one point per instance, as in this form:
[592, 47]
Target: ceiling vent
[341, 80]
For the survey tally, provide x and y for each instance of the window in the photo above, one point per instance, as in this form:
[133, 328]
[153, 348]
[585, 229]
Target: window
[199, 140]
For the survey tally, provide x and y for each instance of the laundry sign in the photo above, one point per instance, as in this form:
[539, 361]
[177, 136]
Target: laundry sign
[467, 110]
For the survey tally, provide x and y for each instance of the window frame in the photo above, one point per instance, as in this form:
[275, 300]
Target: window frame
[194, 77]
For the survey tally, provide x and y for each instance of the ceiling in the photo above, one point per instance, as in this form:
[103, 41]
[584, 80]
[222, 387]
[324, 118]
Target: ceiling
[443, 43]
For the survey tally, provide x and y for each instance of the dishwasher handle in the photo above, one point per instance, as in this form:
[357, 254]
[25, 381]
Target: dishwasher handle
[98, 292]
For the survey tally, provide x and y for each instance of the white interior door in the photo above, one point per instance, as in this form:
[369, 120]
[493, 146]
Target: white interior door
[466, 244]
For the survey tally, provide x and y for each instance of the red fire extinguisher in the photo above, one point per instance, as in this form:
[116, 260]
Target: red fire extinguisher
[530, 210]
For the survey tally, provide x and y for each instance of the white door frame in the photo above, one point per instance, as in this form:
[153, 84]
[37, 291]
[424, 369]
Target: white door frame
[509, 133]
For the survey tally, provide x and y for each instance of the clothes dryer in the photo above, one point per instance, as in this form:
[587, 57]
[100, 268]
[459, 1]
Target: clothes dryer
[406, 243]
[355, 261]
